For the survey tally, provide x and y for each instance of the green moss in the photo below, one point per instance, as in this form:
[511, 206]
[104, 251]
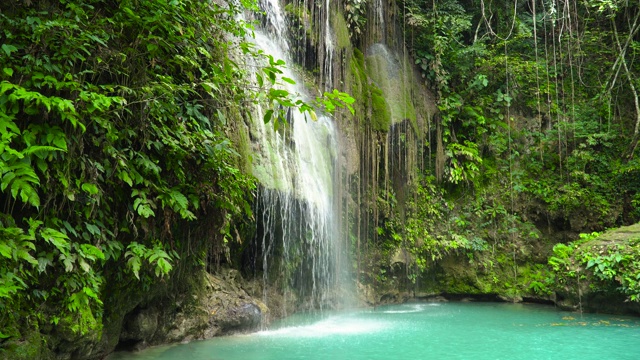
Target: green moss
[486, 276]
[266, 170]
[32, 345]
[380, 114]
[359, 56]
[341, 30]
[357, 83]
[395, 85]
[238, 132]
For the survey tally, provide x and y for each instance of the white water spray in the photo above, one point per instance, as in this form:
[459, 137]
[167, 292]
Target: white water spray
[295, 211]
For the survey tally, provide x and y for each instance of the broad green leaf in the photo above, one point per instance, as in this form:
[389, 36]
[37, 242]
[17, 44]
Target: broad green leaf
[92, 252]
[179, 199]
[134, 264]
[288, 80]
[92, 294]
[124, 176]
[57, 239]
[6, 250]
[84, 265]
[163, 267]
[24, 255]
[8, 49]
[92, 189]
[93, 229]
[268, 115]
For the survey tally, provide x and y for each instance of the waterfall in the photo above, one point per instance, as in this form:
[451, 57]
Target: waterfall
[297, 238]
[328, 47]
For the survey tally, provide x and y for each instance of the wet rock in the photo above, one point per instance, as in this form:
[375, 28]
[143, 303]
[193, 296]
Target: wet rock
[510, 298]
[366, 293]
[141, 326]
[436, 299]
[217, 305]
[403, 257]
[247, 316]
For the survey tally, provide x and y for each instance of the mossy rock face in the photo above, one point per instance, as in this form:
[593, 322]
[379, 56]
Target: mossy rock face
[269, 166]
[340, 29]
[392, 76]
[358, 83]
[380, 112]
[31, 345]
[625, 235]
[215, 305]
[303, 35]
[300, 21]
[607, 269]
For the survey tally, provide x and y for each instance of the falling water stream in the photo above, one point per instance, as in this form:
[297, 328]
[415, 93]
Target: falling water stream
[297, 230]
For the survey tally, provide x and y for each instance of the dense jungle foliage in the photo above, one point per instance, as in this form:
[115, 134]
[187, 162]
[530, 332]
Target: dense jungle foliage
[113, 134]
[119, 124]
[535, 141]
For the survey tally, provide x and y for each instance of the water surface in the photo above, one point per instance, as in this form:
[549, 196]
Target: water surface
[424, 331]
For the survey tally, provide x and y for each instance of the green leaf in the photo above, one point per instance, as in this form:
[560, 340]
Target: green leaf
[134, 264]
[92, 294]
[124, 176]
[268, 115]
[179, 199]
[288, 80]
[40, 149]
[43, 262]
[92, 189]
[57, 239]
[24, 255]
[5, 250]
[94, 230]
[8, 49]
[85, 266]
[8, 71]
[163, 267]
[221, 117]
[210, 87]
[68, 262]
[278, 93]
[92, 252]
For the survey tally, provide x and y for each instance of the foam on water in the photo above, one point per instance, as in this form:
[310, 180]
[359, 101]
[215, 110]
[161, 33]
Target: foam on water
[330, 326]
[410, 309]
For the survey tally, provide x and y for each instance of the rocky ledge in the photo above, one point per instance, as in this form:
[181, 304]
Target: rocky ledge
[222, 307]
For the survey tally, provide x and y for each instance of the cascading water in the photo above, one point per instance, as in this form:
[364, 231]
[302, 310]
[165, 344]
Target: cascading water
[297, 231]
[328, 47]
